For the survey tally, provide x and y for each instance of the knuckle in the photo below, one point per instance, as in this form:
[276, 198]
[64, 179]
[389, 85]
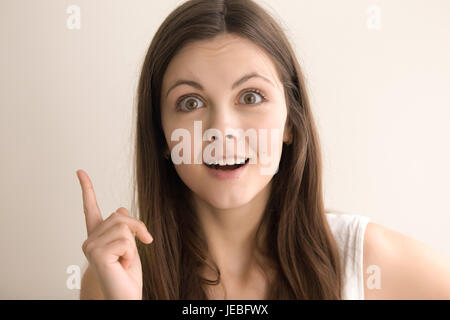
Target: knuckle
[83, 246]
[89, 248]
[123, 209]
[142, 224]
[126, 242]
[123, 228]
[115, 214]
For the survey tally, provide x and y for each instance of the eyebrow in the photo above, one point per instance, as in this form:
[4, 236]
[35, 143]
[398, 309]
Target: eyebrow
[235, 84]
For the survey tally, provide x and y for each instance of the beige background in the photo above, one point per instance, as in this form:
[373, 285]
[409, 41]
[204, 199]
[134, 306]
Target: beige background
[381, 100]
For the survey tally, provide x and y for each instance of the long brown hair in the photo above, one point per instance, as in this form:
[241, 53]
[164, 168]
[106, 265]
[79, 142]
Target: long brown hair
[299, 242]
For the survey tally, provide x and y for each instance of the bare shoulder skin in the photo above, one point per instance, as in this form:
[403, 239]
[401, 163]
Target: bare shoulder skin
[399, 267]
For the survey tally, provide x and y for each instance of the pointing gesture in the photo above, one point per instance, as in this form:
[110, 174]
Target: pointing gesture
[90, 206]
[111, 246]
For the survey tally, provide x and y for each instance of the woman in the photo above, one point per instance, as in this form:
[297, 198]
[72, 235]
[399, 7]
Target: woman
[238, 225]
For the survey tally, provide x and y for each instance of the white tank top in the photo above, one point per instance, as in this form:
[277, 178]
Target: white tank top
[348, 230]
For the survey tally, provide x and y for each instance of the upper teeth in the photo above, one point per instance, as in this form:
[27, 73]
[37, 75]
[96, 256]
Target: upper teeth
[229, 161]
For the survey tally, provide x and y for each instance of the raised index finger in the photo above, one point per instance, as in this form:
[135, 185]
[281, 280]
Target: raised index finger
[90, 206]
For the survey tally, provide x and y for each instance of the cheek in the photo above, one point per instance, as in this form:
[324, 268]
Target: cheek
[183, 134]
[189, 174]
[270, 139]
[273, 120]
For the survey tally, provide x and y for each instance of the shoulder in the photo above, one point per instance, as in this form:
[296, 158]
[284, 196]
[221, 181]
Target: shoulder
[399, 267]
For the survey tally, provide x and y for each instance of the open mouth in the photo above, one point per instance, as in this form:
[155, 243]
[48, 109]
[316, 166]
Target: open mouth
[227, 166]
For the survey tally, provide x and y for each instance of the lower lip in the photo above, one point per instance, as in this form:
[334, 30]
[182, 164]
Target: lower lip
[226, 174]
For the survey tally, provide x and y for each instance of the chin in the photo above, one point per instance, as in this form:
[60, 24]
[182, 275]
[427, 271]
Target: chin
[225, 200]
[220, 199]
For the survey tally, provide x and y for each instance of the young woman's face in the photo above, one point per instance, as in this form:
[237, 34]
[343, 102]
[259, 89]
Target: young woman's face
[218, 103]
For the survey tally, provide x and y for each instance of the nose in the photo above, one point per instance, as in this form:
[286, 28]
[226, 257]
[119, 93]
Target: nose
[223, 124]
[220, 119]
[215, 137]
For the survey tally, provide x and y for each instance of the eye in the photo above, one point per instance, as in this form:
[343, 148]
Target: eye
[188, 103]
[249, 97]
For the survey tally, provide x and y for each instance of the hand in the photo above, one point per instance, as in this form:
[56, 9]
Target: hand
[111, 248]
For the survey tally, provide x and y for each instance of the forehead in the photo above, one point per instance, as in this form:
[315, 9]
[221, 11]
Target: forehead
[224, 58]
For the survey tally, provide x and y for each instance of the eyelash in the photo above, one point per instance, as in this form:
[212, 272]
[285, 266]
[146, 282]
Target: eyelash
[263, 96]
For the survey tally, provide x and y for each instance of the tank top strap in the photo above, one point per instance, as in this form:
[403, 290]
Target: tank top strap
[348, 230]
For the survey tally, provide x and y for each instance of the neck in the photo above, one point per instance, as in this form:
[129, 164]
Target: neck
[231, 233]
